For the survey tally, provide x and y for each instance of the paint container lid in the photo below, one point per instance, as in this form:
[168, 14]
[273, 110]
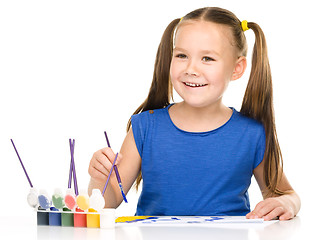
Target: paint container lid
[58, 199]
[83, 200]
[32, 198]
[97, 201]
[70, 199]
[44, 199]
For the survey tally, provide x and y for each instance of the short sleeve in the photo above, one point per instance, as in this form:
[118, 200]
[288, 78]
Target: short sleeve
[139, 124]
[261, 146]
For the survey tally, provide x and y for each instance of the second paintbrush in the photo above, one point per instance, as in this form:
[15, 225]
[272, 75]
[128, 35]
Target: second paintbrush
[117, 173]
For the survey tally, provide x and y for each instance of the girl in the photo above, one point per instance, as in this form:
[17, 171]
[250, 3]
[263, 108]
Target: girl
[197, 157]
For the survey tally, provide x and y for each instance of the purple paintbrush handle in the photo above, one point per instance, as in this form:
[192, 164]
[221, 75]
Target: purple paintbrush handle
[117, 174]
[115, 167]
[71, 163]
[74, 172]
[110, 173]
[29, 180]
[107, 139]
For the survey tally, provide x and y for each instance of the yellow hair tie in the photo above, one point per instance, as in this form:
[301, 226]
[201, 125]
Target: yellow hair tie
[244, 25]
[180, 19]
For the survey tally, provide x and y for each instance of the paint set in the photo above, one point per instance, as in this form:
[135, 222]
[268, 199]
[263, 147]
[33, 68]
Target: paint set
[73, 209]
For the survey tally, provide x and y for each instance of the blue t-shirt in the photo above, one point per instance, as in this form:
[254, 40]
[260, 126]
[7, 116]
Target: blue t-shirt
[196, 173]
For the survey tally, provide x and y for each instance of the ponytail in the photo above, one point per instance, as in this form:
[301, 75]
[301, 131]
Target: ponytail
[258, 104]
[160, 91]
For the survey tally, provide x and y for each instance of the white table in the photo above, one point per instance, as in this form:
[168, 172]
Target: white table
[26, 228]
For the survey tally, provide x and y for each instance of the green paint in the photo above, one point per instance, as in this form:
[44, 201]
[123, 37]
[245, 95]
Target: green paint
[66, 218]
[58, 201]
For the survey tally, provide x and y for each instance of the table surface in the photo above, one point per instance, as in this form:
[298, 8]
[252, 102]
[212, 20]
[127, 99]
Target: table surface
[25, 227]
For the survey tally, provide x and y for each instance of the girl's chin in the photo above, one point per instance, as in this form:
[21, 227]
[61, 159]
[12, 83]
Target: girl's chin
[196, 104]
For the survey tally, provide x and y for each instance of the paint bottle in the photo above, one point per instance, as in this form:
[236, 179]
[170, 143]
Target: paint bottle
[42, 217]
[83, 200]
[57, 199]
[97, 203]
[54, 217]
[32, 198]
[79, 218]
[44, 200]
[92, 219]
[67, 218]
[70, 199]
[107, 218]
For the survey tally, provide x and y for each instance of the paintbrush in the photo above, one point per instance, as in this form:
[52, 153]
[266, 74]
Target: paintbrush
[110, 173]
[32, 197]
[117, 173]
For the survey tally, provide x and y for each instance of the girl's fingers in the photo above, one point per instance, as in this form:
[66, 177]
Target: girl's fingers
[108, 152]
[102, 166]
[289, 214]
[286, 216]
[261, 210]
[97, 175]
[101, 163]
[252, 215]
[274, 213]
[271, 208]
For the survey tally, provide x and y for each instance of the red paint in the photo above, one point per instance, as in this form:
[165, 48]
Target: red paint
[79, 220]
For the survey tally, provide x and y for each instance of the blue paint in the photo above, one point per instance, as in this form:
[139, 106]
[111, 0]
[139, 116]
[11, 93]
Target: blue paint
[54, 217]
[214, 219]
[122, 193]
[140, 220]
[44, 201]
[165, 220]
[217, 218]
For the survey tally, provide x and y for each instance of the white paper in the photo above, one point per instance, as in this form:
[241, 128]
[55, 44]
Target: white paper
[193, 221]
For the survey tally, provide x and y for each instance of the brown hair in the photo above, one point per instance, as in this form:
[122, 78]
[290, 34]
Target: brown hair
[258, 98]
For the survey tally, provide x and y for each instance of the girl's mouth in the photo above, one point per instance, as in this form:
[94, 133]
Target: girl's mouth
[194, 84]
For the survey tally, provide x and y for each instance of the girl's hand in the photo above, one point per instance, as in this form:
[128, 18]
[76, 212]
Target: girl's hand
[101, 163]
[272, 208]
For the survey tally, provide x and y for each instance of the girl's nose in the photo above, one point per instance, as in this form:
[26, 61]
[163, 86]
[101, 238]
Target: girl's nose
[191, 69]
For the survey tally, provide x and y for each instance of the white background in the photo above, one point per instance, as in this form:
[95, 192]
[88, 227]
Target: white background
[72, 69]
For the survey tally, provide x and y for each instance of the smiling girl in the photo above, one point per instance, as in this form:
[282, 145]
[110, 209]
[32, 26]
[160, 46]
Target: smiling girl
[197, 157]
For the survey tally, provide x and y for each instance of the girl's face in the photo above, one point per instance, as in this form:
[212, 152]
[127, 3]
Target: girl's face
[203, 63]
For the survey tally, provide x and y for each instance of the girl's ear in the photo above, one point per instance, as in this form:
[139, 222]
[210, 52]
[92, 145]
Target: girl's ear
[239, 68]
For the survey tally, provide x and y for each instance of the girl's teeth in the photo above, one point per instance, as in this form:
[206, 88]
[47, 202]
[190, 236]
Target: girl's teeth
[194, 84]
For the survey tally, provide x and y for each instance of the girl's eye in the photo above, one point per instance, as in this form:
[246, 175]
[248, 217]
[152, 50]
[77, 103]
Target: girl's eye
[207, 59]
[181, 55]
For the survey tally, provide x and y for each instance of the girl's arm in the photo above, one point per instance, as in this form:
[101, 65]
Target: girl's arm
[285, 206]
[128, 163]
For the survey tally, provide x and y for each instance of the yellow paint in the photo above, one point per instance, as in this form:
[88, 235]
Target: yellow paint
[92, 220]
[130, 218]
[83, 202]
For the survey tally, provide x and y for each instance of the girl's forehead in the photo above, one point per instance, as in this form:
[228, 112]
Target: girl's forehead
[203, 32]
